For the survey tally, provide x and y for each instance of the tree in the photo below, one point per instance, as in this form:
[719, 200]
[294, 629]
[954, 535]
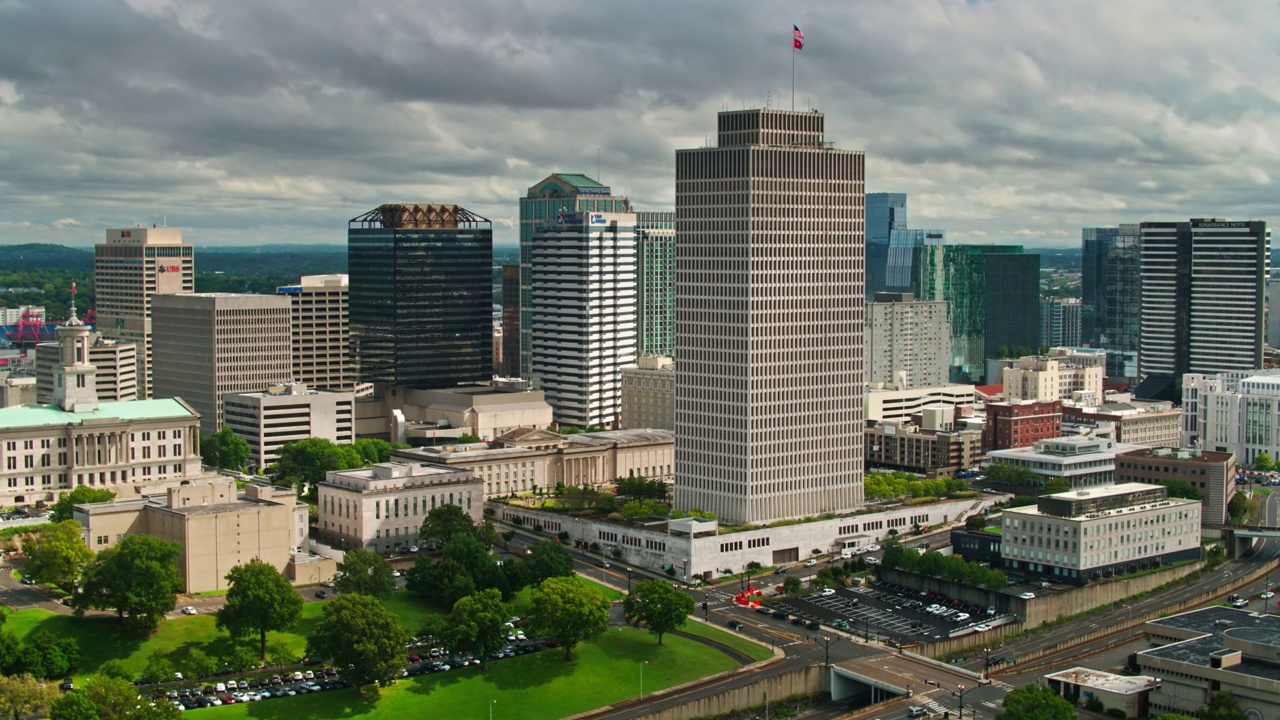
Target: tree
[1056, 485]
[1035, 702]
[467, 438]
[46, 655]
[1263, 463]
[546, 559]
[23, 695]
[479, 625]
[57, 555]
[104, 698]
[158, 668]
[225, 449]
[75, 705]
[658, 606]
[443, 522]
[792, 586]
[1223, 706]
[372, 450]
[259, 600]
[569, 612]
[138, 578]
[357, 631]
[1181, 489]
[1240, 508]
[641, 488]
[364, 571]
[976, 522]
[81, 495]
[304, 463]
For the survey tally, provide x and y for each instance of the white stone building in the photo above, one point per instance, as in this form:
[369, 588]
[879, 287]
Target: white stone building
[1058, 376]
[286, 413]
[1085, 461]
[908, 341]
[1093, 532]
[888, 403]
[115, 369]
[382, 508]
[1236, 412]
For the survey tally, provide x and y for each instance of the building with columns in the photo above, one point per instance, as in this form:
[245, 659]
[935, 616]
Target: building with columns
[120, 446]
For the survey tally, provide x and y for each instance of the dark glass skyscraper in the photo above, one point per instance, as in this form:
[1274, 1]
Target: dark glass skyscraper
[1112, 288]
[885, 213]
[421, 296]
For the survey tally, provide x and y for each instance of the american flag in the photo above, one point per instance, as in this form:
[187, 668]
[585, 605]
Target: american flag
[73, 288]
[799, 35]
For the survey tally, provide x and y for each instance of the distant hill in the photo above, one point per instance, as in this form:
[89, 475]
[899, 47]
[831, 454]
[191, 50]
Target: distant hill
[45, 257]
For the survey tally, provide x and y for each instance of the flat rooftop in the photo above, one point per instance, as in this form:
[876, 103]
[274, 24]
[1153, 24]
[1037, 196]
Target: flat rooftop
[1102, 680]
[1218, 624]
[48, 415]
[1105, 491]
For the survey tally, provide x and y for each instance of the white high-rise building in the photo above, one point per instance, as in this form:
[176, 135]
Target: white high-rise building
[321, 336]
[769, 321]
[1235, 412]
[131, 268]
[583, 314]
[908, 341]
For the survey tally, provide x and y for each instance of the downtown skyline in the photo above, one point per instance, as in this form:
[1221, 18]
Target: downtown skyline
[1003, 122]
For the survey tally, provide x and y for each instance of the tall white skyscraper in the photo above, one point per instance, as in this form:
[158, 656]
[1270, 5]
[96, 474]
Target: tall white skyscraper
[769, 321]
[583, 313]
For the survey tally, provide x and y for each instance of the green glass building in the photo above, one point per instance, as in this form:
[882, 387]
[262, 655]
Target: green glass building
[993, 300]
[655, 282]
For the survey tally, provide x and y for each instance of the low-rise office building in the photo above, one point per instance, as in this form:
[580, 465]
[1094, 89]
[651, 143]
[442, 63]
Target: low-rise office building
[1210, 650]
[885, 401]
[115, 365]
[286, 413]
[1021, 423]
[932, 446]
[382, 508]
[1084, 461]
[1097, 532]
[217, 527]
[482, 410]
[528, 460]
[1127, 693]
[1058, 376]
[1137, 422]
[1212, 474]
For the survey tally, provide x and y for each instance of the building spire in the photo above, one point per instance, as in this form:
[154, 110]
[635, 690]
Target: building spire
[72, 319]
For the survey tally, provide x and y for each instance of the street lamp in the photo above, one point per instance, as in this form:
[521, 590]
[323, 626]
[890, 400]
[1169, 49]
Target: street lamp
[826, 643]
[628, 581]
[642, 664]
[492, 702]
[684, 570]
[960, 692]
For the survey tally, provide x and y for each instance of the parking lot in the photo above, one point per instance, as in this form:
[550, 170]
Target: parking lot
[887, 610]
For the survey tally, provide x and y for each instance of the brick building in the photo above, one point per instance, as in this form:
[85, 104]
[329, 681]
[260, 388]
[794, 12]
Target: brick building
[1018, 424]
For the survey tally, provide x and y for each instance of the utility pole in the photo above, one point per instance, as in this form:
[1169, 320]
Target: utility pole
[826, 643]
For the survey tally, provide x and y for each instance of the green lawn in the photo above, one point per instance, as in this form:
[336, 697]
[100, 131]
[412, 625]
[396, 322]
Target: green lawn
[529, 687]
[610, 594]
[752, 648]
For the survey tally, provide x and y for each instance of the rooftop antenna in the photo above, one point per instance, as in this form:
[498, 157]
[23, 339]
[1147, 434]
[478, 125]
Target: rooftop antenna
[598, 177]
[768, 99]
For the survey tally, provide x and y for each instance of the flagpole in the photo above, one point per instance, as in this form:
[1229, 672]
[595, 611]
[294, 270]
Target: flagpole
[793, 75]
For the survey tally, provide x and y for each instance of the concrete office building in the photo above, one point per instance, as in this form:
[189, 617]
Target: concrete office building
[1058, 376]
[1212, 474]
[382, 508]
[1137, 422]
[1202, 304]
[129, 269]
[209, 345]
[933, 446]
[1127, 693]
[583, 308]
[1086, 534]
[509, 366]
[885, 402]
[321, 338]
[1084, 461]
[1273, 312]
[1237, 413]
[885, 212]
[769, 314]
[115, 369]
[217, 527]
[287, 413]
[649, 394]
[1021, 423]
[421, 303]
[17, 388]
[528, 460]
[47, 449]
[907, 341]
[544, 204]
[655, 282]
[1210, 650]
[481, 410]
[1112, 288]
[29, 313]
[1060, 322]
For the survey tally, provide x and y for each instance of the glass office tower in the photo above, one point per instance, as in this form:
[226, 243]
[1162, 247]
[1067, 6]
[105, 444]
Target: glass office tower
[421, 298]
[885, 213]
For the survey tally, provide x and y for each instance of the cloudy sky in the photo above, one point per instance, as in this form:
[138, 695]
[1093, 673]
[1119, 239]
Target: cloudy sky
[279, 120]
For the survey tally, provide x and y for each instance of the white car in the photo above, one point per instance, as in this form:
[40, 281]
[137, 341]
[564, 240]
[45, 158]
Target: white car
[873, 548]
[828, 592]
[982, 628]
[873, 561]
[188, 610]
[1267, 595]
[520, 636]
[810, 563]
[1027, 595]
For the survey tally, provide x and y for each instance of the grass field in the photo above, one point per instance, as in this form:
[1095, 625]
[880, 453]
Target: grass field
[539, 686]
[755, 650]
[610, 594]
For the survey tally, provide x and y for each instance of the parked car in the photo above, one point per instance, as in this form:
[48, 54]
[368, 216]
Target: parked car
[811, 562]
[1027, 595]
[781, 570]
[188, 610]
[321, 594]
[1240, 603]
[734, 625]
[828, 592]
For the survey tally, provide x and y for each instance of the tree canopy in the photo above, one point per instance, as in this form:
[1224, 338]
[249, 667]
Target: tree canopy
[895, 485]
[360, 633]
[23, 695]
[366, 572]
[443, 522]
[546, 559]
[372, 450]
[658, 606]
[138, 578]
[1015, 475]
[478, 625]
[1263, 462]
[947, 567]
[106, 698]
[1035, 702]
[1223, 706]
[57, 555]
[80, 495]
[225, 449]
[1181, 489]
[641, 488]
[259, 600]
[569, 612]
[304, 463]
[1056, 485]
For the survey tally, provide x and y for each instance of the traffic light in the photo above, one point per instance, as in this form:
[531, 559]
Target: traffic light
[704, 604]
